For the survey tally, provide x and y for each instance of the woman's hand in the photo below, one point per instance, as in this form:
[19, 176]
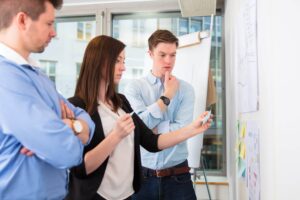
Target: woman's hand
[198, 123]
[124, 126]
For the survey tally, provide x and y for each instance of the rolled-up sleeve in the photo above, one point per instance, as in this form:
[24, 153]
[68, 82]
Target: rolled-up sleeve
[184, 114]
[150, 114]
[82, 114]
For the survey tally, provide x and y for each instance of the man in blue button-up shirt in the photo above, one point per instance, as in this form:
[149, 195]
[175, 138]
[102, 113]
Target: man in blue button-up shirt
[41, 133]
[165, 104]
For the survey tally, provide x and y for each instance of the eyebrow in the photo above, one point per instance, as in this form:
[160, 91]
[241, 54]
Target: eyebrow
[161, 52]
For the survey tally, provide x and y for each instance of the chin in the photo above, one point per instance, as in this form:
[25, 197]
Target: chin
[40, 50]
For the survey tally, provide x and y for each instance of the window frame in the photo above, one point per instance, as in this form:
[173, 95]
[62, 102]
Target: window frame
[104, 12]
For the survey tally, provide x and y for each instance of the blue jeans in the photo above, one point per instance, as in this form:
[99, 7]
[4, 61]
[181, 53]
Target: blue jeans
[177, 187]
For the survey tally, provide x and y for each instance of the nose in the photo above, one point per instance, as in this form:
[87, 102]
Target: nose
[53, 33]
[168, 59]
[123, 68]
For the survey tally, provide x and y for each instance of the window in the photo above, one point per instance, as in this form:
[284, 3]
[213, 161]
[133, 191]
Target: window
[49, 68]
[67, 51]
[84, 30]
[214, 140]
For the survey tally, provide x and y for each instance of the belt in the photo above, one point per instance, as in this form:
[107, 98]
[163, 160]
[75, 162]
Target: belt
[166, 172]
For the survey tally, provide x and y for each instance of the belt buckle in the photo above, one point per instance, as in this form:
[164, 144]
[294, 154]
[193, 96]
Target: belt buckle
[159, 173]
[163, 172]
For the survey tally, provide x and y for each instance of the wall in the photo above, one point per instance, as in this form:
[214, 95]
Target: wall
[217, 192]
[278, 62]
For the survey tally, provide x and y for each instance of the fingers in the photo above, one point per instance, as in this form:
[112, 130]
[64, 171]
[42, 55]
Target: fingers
[68, 122]
[203, 114]
[130, 128]
[23, 150]
[63, 110]
[26, 151]
[167, 76]
[125, 125]
[126, 120]
[70, 113]
[66, 112]
[29, 153]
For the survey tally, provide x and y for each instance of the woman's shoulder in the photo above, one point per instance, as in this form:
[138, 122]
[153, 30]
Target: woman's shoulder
[77, 101]
[125, 102]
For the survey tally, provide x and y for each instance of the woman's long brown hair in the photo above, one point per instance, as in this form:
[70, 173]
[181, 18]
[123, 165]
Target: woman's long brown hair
[99, 64]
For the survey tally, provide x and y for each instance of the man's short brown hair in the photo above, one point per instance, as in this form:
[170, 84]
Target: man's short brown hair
[33, 8]
[161, 36]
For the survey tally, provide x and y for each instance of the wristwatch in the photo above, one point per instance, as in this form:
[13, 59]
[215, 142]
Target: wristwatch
[77, 126]
[165, 100]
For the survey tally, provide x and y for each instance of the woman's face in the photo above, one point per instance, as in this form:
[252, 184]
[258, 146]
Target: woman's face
[119, 67]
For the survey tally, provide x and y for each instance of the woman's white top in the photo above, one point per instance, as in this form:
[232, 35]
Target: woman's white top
[118, 177]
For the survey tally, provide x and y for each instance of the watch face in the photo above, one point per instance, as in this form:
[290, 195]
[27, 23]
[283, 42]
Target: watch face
[166, 100]
[77, 126]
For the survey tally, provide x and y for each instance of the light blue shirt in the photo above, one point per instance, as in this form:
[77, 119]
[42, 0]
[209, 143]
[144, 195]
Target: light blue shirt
[30, 116]
[142, 95]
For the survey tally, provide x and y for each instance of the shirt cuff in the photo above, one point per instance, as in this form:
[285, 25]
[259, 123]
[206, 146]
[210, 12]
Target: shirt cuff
[91, 126]
[155, 111]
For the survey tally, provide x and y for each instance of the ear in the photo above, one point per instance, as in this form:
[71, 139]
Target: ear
[22, 20]
[150, 53]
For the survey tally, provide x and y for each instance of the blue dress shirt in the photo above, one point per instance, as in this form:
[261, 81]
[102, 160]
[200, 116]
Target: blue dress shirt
[30, 116]
[142, 95]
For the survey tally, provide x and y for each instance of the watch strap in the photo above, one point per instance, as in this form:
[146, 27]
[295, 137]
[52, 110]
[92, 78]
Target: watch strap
[165, 100]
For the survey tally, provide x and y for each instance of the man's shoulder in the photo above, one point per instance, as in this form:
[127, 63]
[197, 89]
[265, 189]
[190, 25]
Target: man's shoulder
[7, 64]
[12, 71]
[138, 81]
[136, 84]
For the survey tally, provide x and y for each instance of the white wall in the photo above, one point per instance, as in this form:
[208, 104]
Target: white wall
[278, 69]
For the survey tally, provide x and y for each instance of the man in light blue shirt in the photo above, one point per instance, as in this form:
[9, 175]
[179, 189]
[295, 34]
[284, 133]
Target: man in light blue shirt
[34, 118]
[165, 104]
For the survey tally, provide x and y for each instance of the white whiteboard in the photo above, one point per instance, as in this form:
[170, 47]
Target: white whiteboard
[247, 57]
[192, 65]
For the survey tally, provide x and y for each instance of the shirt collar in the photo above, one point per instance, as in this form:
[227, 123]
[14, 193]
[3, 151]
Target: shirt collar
[152, 79]
[15, 57]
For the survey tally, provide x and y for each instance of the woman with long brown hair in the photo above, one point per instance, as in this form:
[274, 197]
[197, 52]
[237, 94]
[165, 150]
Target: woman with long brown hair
[111, 167]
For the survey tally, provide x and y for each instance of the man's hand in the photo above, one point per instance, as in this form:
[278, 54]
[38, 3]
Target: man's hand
[66, 112]
[68, 117]
[26, 151]
[171, 85]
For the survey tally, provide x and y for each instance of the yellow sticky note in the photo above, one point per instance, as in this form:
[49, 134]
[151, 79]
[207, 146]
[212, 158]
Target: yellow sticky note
[237, 145]
[242, 150]
[243, 130]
